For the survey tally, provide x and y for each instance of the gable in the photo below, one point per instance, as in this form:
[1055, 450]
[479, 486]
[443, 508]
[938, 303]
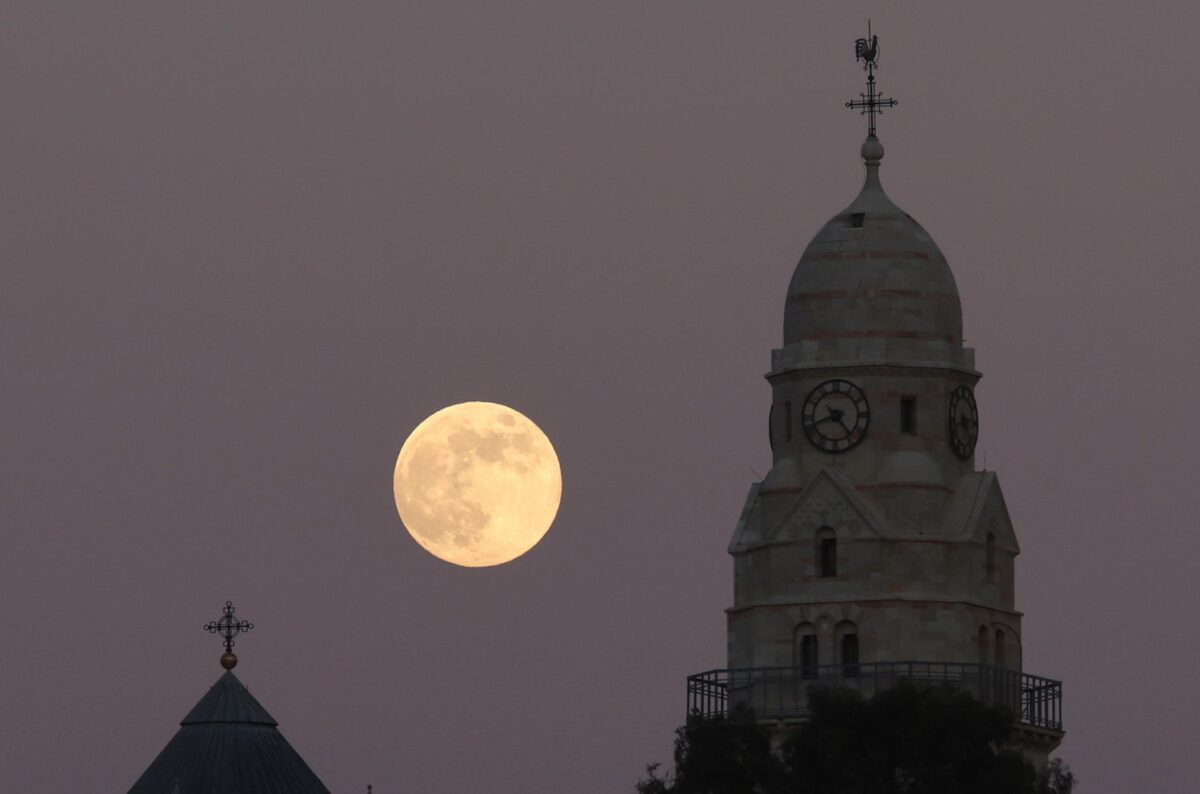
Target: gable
[828, 500]
[748, 532]
[987, 513]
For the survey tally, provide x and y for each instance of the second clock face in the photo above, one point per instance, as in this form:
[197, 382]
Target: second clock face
[964, 422]
[836, 415]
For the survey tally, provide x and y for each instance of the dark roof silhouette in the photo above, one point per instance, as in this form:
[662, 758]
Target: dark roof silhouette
[228, 744]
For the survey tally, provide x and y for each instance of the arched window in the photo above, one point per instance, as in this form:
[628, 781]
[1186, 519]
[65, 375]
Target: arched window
[806, 650]
[990, 557]
[827, 553]
[847, 639]
[1001, 659]
[982, 641]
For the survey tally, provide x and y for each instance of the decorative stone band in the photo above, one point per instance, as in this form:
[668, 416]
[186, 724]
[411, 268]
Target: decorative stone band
[918, 601]
[782, 365]
[823, 256]
[866, 294]
[927, 486]
[850, 333]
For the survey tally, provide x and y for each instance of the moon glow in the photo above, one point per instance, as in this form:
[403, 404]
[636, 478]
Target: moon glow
[477, 484]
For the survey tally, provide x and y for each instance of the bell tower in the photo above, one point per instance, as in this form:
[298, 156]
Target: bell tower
[875, 550]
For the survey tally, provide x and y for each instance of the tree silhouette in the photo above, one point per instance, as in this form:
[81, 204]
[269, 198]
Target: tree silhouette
[913, 739]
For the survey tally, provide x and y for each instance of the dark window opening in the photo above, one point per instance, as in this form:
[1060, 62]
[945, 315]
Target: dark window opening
[1001, 658]
[850, 655]
[856, 219]
[908, 414]
[787, 420]
[808, 656]
[828, 557]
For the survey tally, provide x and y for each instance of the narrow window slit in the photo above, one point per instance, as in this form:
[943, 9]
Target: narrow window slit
[908, 414]
[828, 557]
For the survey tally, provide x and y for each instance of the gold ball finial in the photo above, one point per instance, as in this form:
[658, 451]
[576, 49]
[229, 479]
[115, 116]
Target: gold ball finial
[228, 627]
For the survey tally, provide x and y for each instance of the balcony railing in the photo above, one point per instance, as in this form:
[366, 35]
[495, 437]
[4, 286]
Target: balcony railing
[782, 692]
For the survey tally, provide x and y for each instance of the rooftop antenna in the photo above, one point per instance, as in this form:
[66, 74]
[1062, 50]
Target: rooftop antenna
[871, 103]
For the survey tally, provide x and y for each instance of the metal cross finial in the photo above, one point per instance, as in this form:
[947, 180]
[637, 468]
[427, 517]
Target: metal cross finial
[870, 103]
[227, 627]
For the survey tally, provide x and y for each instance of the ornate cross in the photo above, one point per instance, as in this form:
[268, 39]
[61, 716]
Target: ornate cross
[870, 103]
[227, 627]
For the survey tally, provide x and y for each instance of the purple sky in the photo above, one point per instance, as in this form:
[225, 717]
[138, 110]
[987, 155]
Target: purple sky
[247, 247]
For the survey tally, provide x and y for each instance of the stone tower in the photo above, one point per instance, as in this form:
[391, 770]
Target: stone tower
[873, 534]
[874, 550]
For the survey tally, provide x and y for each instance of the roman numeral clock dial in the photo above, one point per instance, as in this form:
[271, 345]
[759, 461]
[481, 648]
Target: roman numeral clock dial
[836, 415]
[964, 422]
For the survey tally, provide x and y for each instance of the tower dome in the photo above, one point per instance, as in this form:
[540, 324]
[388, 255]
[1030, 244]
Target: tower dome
[872, 287]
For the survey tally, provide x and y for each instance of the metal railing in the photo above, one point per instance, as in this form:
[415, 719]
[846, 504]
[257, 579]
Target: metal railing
[782, 692]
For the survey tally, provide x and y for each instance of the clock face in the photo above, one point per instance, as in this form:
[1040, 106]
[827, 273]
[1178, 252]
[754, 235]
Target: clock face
[836, 415]
[964, 422]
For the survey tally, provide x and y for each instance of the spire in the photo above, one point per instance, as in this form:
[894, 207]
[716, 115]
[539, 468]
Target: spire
[228, 628]
[228, 741]
[870, 104]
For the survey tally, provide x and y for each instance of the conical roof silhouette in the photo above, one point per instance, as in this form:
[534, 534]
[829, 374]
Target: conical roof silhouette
[228, 744]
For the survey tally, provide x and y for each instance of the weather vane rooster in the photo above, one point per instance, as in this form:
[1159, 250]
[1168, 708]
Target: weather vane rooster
[867, 50]
[871, 104]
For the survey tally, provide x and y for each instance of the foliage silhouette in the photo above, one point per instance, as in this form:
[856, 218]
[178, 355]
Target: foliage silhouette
[719, 755]
[913, 739]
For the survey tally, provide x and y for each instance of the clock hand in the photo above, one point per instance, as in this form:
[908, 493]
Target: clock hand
[835, 415]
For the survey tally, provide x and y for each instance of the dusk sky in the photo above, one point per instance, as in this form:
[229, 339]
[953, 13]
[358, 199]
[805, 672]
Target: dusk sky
[248, 247]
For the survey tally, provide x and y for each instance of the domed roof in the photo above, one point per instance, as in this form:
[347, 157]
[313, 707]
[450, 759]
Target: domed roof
[872, 286]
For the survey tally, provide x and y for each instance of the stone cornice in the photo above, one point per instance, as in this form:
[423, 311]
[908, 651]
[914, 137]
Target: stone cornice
[949, 540]
[910, 599]
[875, 367]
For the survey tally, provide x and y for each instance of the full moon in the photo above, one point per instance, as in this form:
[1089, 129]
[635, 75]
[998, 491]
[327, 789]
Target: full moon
[477, 484]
